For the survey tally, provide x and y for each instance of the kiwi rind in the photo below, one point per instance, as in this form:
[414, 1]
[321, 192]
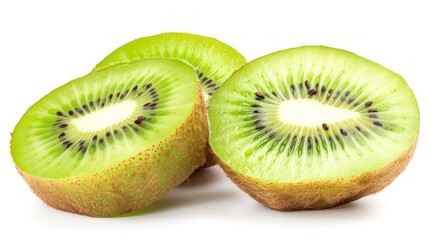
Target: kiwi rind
[214, 58]
[135, 182]
[317, 195]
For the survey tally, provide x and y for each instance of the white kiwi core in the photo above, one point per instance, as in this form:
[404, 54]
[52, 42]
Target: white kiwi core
[105, 117]
[309, 112]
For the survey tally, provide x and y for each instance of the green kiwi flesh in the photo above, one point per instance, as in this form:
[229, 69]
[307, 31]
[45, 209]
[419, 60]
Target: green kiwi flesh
[213, 60]
[114, 140]
[313, 127]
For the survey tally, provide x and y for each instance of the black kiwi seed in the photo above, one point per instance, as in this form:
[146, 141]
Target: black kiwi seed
[66, 142]
[259, 127]
[256, 105]
[82, 149]
[210, 93]
[71, 112]
[256, 111]
[377, 123]
[110, 96]
[259, 96]
[325, 127]
[63, 125]
[372, 110]
[309, 143]
[148, 85]
[78, 110]
[330, 91]
[94, 138]
[134, 88]
[108, 134]
[307, 84]
[138, 121]
[59, 113]
[91, 104]
[344, 132]
[312, 92]
[118, 94]
[323, 89]
[101, 141]
[358, 128]
[69, 145]
[368, 104]
[61, 135]
[146, 105]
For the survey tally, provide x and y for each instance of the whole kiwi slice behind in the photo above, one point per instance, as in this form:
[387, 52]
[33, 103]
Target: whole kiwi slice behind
[212, 60]
[313, 127]
[114, 140]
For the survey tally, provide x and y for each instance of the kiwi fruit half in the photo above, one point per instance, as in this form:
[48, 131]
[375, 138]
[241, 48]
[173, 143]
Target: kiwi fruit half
[212, 60]
[114, 140]
[313, 127]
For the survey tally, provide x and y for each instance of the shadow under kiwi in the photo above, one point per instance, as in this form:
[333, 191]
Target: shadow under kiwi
[201, 177]
[192, 192]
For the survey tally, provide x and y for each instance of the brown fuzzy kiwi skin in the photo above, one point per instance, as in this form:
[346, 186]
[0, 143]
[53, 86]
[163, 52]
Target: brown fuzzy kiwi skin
[318, 194]
[135, 182]
[210, 160]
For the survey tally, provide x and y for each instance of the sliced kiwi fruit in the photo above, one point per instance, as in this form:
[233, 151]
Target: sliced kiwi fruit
[213, 60]
[114, 140]
[313, 127]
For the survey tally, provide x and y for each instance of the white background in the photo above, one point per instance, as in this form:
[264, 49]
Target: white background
[44, 44]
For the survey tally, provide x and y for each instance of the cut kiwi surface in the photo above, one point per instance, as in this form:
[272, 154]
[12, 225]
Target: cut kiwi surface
[114, 140]
[213, 60]
[313, 127]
